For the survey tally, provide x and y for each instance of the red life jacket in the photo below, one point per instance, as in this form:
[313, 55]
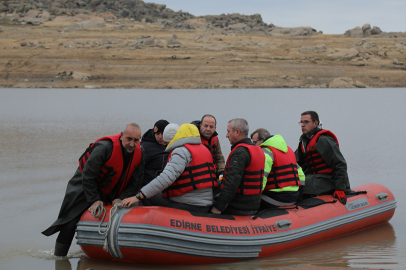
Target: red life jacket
[199, 174]
[312, 158]
[111, 171]
[284, 170]
[252, 180]
[212, 146]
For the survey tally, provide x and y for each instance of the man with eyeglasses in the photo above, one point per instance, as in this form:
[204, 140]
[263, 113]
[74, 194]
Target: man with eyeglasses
[321, 159]
[111, 169]
[282, 176]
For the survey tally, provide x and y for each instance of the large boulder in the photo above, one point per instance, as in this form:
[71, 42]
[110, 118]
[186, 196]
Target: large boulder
[72, 26]
[297, 31]
[396, 34]
[355, 33]
[150, 41]
[238, 27]
[365, 44]
[345, 82]
[203, 37]
[76, 75]
[383, 35]
[81, 18]
[313, 49]
[397, 62]
[168, 24]
[92, 24]
[367, 33]
[197, 23]
[376, 30]
[85, 24]
[173, 43]
[35, 17]
[345, 54]
[366, 27]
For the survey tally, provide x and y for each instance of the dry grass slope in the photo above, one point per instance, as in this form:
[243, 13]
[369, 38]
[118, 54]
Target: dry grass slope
[109, 59]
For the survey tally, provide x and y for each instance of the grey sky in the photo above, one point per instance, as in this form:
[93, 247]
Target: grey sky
[331, 17]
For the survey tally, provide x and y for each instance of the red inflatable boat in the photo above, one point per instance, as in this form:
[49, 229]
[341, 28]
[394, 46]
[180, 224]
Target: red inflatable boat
[160, 235]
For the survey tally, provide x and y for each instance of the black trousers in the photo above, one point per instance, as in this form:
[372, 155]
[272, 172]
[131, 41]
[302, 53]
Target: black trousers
[65, 237]
[272, 199]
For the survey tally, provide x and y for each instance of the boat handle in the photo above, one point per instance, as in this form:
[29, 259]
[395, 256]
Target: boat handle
[283, 224]
[382, 196]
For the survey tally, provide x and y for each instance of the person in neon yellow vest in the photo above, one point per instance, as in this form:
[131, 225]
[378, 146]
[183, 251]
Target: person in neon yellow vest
[282, 176]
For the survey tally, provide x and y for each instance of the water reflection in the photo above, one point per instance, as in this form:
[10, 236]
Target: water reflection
[353, 250]
[63, 264]
[371, 248]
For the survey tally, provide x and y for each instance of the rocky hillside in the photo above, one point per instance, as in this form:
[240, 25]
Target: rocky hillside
[132, 9]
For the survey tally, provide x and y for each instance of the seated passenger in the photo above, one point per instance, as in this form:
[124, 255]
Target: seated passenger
[321, 159]
[282, 175]
[188, 178]
[208, 134]
[155, 155]
[243, 175]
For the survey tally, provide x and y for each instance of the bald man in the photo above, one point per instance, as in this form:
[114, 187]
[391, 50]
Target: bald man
[111, 169]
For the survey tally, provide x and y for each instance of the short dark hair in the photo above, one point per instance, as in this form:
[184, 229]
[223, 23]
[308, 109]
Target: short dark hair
[262, 133]
[215, 121]
[313, 115]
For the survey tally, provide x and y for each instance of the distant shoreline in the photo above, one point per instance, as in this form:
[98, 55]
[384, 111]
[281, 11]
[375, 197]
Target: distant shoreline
[130, 54]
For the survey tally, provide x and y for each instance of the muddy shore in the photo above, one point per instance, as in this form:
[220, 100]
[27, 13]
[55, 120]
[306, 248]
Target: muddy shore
[142, 55]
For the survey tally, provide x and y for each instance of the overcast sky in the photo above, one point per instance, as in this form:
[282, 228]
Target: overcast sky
[331, 17]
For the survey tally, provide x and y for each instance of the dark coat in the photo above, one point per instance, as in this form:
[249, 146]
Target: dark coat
[218, 159]
[155, 156]
[329, 151]
[82, 190]
[239, 160]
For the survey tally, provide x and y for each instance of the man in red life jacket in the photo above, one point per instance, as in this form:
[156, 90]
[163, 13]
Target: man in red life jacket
[321, 159]
[283, 178]
[243, 174]
[208, 134]
[110, 170]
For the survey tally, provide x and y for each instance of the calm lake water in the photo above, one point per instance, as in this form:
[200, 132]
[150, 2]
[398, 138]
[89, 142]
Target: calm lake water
[44, 131]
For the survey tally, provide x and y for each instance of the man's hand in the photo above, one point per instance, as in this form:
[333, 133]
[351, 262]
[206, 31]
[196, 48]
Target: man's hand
[214, 210]
[94, 205]
[340, 195]
[129, 201]
[116, 201]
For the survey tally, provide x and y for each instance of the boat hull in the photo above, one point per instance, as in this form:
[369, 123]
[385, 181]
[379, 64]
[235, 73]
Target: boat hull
[159, 235]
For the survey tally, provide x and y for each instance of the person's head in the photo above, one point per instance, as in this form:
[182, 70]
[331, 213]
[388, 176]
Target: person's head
[208, 125]
[259, 136]
[170, 132]
[309, 120]
[237, 129]
[159, 130]
[130, 137]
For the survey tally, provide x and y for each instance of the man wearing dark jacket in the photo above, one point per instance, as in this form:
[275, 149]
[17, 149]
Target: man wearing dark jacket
[110, 170]
[320, 157]
[243, 174]
[208, 134]
[155, 155]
